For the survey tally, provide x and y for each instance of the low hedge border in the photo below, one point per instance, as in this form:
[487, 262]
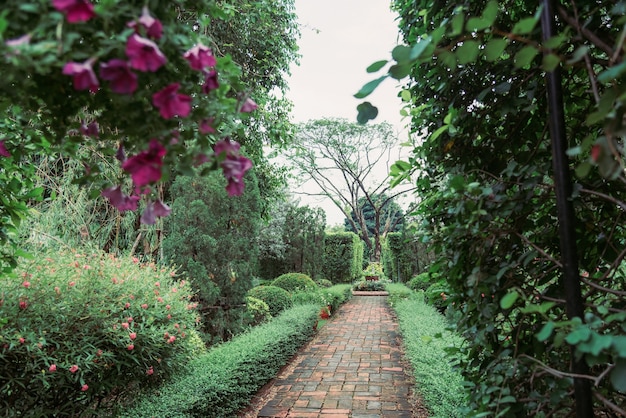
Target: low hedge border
[426, 341]
[223, 381]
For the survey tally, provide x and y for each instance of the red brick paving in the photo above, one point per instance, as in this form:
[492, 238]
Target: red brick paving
[353, 368]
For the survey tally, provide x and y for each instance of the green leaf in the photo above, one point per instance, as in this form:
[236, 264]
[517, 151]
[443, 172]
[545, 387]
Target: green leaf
[581, 334]
[438, 132]
[376, 66]
[495, 48]
[524, 26]
[457, 24]
[509, 299]
[612, 73]
[546, 331]
[405, 95]
[619, 345]
[467, 52]
[525, 56]
[447, 58]
[457, 183]
[583, 169]
[618, 376]
[366, 112]
[401, 53]
[399, 71]
[418, 49]
[486, 20]
[550, 62]
[367, 89]
[579, 54]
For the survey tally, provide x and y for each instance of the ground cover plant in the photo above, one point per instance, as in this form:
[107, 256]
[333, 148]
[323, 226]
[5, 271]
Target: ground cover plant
[426, 340]
[222, 382]
[75, 326]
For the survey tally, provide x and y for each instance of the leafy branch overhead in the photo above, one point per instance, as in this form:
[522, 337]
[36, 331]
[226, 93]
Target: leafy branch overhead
[476, 97]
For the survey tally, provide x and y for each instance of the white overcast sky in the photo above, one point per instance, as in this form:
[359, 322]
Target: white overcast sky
[340, 39]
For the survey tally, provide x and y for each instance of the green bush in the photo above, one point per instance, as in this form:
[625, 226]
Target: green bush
[294, 281]
[223, 381]
[277, 299]
[397, 292]
[333, 296]
[257, 311]
[371, 285]
[420, 282]
[426, 341]
[74, 327]
[323, 283]
[437, 295]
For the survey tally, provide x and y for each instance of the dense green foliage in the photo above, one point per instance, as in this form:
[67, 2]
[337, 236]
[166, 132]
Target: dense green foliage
[277, 299]
[209, 236]
[343, 257]
[224, 380]
[389, 213]
[483, 168]
[292, 241]
[77, 326]
[294, 281]
[426, 342]
[402, 256]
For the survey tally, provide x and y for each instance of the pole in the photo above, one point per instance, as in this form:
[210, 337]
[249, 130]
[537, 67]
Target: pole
[566, 217]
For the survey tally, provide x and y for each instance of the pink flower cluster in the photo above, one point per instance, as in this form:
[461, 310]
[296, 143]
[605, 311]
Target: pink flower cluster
[144, 55]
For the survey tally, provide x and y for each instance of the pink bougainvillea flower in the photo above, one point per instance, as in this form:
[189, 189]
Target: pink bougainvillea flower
[117, 72]
[248, 106]
[171, 103]
[52, 368]
[3, 150]
[210, 82]
[125, 325]
[234, 166]
[91, 130]
[144, 54]
[83, 76]
[153, 27]
[145, 167]
[22, 340]
[120, 154]
[73, 369]
[200, 57]
[84, 388]
[23, 304]
[26, 284]
[154, 210]
[75, 10]
[150, 371]
[206, 126]
[132, 335]
[18, 42]
[130, 347]
[118, 199]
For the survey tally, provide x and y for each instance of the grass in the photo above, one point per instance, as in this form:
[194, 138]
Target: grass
[426, 339]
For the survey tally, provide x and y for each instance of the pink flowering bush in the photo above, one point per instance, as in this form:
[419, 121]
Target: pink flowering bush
[74, 327]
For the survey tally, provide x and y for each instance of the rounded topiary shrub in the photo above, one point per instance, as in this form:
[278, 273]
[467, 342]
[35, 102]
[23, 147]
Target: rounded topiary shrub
[324, 283]
[257, 311]
[76, 326]
[294, 281]
[277, 299]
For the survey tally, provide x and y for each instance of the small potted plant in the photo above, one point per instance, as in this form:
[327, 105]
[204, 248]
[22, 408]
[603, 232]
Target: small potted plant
[373, 272]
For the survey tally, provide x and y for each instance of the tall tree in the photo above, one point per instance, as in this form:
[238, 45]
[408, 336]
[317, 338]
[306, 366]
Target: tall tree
[213, 238]
[345, 161]
[389, 212]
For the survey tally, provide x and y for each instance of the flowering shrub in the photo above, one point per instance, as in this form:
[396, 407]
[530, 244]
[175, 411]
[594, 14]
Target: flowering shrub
[374, 269]
[368, 285]
[134, 79]
[76, 326]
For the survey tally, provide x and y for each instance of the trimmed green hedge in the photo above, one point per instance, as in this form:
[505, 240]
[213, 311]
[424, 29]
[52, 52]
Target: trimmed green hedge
[223, 381]
[426, 339]
[294, 281]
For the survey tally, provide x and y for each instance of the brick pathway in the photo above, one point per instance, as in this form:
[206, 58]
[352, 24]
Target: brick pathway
[353, 368]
